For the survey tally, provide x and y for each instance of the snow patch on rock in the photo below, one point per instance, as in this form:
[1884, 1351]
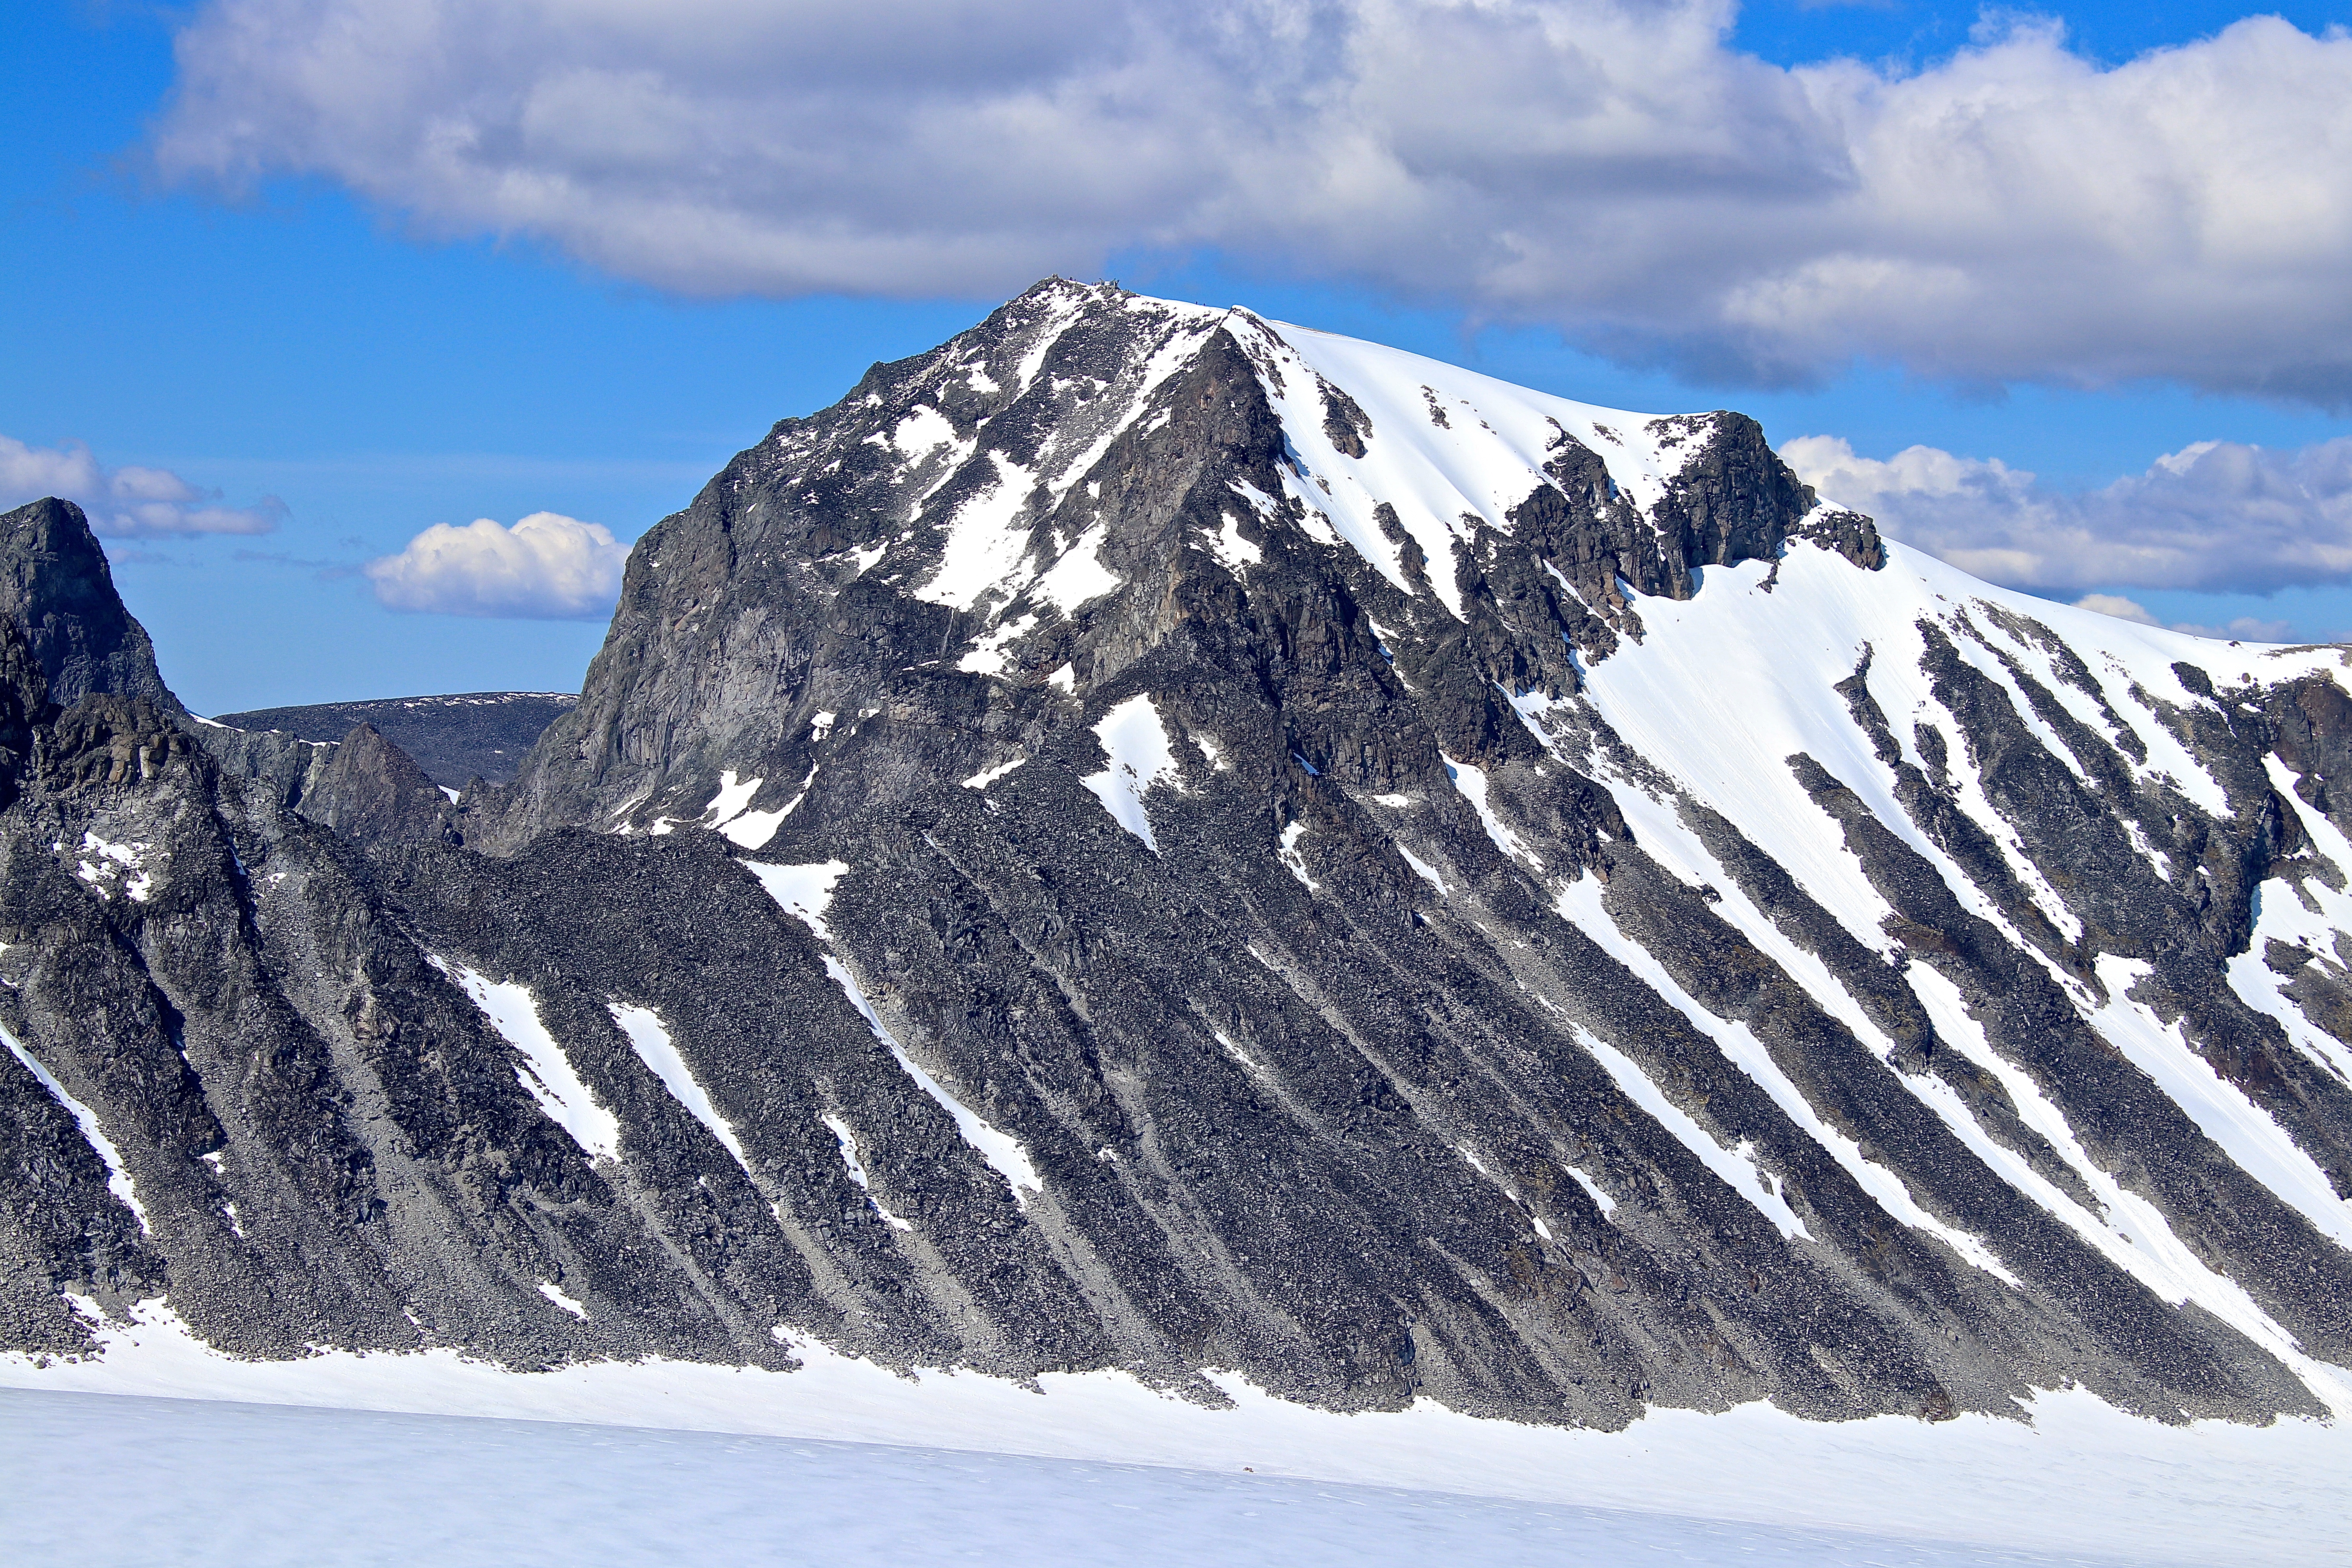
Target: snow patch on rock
[651, 1040]
[546, 1073]
[118, 1174]
[987, 776]
[118, 866]
[805, 891]
[554, 1293]
[1136, 741]
[856, 1168]
[1003, 1151]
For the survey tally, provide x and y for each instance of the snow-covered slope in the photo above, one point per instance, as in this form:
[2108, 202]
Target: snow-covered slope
[212, 1485]
[1731, 684]
[1451, 450]
[660, 1464]
[1150, 840]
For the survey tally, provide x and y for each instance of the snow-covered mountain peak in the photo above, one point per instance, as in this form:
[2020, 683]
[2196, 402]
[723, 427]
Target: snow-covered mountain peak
[991, 439]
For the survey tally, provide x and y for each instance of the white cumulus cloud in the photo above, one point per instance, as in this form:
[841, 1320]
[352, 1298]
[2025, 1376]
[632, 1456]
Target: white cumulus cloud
[129, 503]
[2218, 516]
[546, 567]
[2014, 211]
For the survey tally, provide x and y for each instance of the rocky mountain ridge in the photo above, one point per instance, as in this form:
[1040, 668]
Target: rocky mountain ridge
[1150, 838]
[455, 738]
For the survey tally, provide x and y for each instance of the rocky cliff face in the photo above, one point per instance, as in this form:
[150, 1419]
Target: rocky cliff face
[1144, 837]
[59, 589]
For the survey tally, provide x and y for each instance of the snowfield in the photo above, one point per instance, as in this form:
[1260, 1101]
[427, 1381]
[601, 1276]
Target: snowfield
[845, 1462]
[249, 1485]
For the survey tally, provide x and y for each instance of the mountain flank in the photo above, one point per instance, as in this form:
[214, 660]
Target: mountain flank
[1150, 838]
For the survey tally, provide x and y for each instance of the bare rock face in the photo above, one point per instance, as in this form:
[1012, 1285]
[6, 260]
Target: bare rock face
[56, 585]
[1149, 838]
[373, 789]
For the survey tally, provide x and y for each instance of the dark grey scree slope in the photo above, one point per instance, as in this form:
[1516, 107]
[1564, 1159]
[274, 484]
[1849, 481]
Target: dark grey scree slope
[1086, 853]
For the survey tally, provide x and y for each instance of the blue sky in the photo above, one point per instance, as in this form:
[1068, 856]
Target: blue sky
[319, 333]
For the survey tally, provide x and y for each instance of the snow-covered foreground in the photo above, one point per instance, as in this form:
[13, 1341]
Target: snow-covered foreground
[846, 1463]
[200, 1483]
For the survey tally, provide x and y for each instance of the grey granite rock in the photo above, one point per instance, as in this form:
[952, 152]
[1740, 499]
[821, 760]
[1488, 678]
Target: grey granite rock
[57, 586]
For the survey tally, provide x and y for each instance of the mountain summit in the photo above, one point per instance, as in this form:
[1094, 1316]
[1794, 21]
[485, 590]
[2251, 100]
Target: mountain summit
[1091, 482]
[1146, 837]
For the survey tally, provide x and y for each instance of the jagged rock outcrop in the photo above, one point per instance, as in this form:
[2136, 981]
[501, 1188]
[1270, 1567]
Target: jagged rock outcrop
[1146, 837]
[60, 593]
[373, 791]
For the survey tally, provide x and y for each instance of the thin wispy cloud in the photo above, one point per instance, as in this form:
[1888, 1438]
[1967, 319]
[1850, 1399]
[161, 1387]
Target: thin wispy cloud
[127, 502]
[546, 567]
[2218, 516]
[2014, 212]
